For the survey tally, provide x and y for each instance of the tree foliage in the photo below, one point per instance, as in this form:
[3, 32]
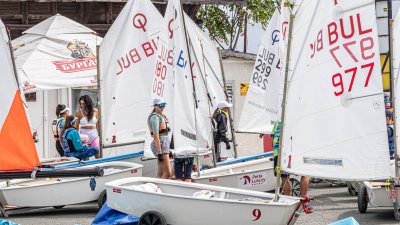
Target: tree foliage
[226, 23]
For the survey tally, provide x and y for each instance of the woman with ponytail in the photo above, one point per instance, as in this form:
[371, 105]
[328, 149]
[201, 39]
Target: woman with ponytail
[62, 112]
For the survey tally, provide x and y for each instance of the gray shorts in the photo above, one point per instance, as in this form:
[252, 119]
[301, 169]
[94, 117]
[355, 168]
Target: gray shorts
[164, 146]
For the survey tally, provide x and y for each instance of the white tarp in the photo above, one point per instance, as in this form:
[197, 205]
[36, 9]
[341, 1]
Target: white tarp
[335, 119]
[396, 71]
[261, 107]
[56, 53]
[127, 59]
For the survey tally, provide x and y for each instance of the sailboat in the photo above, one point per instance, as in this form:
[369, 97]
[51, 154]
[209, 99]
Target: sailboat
[33, 185]
[149, 198]
[386, 193]
[336, 129]
[260, 111]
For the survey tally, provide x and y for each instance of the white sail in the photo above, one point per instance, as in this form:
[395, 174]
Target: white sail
[189, 119]
[127, 58]
[188, 115]
[206, 57]
[396, 70]
[335, 120]
[261, 107]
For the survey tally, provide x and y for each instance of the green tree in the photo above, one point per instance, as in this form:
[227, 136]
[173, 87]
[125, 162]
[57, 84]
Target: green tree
[226, 23]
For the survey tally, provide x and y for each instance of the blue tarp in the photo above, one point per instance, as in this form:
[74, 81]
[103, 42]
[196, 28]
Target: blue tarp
[5, 222]
[109, 216]
[347, 221]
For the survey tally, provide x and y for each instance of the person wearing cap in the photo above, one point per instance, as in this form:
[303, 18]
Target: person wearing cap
[390, 131]
[160, 146]
[62, 112]
[72, 143]
[221, 127]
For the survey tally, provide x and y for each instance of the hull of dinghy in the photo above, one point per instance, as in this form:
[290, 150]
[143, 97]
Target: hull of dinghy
[64, 191]
[176, 201]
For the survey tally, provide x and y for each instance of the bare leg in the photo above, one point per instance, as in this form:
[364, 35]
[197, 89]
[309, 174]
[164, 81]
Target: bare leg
[97, 156]
[159, 169]
[304, 181]
[172, 172]
[165, 167]
[287, 189]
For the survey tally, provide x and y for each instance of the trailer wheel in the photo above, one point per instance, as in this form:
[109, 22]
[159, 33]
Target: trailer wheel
[152, 218]
[363, 200]
[295, 184]
[58, 206]
[102, 199]
[315, 180]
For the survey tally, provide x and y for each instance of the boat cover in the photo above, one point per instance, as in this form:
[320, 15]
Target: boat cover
[107, 216]
[347, 221]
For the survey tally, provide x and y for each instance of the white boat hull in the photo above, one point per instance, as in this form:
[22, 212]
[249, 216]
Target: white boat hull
[64, 191]
[179, 207]
[379, 195]
[255, 175]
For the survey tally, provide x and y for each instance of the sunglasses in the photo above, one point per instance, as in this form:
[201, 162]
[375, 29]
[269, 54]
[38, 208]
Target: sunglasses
[162, 105]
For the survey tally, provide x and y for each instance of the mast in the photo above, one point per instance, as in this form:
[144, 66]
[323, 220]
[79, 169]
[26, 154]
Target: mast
[209, 106]
[392, 94]
[194, 87]
[278, 177]
[99, 98]
[12, 60]
[230, 114]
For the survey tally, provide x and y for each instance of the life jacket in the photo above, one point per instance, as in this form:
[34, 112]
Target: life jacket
[214, 117]
[276, 134]
[163, 128]
[391, 138]
[55, 128]
[67, 145]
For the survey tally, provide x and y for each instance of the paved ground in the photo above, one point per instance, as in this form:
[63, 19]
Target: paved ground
[330, 204]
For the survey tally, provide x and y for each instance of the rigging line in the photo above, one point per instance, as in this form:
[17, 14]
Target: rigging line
[216, 77]
[201, 73]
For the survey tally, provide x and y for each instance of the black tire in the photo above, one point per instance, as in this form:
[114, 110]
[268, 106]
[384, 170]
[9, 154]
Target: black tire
[102, 199]
[295, 185]
[315, 180]
[152, 218]
[363, 200]
[58, 206]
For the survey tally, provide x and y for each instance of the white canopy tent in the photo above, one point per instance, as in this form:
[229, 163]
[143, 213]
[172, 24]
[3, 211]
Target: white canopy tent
[51, 58]
[56, 53]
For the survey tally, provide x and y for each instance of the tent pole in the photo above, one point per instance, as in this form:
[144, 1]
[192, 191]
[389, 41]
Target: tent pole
[99, 99]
